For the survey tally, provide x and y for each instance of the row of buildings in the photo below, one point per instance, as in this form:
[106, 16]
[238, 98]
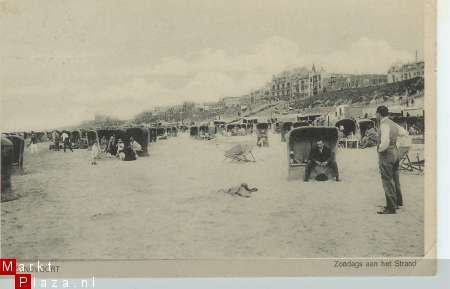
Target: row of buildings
[406, 71]
[302, 83]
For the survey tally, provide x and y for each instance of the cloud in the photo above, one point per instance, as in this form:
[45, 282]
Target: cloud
[124, 100]
[206, 75]
[270, 57]
[364, 56]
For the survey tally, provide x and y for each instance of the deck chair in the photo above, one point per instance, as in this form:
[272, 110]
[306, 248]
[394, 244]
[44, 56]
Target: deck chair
[240, 153]
[405, 162]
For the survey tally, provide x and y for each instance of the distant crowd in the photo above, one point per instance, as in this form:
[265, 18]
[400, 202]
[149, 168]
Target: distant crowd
[122, 149]
[126, 150]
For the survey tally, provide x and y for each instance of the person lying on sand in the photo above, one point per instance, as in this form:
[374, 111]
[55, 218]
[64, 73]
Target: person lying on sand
[241, 190]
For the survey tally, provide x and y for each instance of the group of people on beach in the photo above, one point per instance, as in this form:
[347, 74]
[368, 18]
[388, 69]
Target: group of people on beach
[63, 138]
[126, 150]
[58, 140]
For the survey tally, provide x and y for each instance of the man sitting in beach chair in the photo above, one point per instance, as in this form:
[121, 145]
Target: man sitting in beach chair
[321, 158]
[370, 138]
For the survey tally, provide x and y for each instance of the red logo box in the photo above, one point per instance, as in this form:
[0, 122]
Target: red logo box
[22, 281]
[7, 266]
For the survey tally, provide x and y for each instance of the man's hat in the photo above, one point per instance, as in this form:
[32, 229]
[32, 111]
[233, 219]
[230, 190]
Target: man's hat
[383, 110]
[321, 177]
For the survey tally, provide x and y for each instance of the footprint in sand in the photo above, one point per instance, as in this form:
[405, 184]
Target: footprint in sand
[100, 216]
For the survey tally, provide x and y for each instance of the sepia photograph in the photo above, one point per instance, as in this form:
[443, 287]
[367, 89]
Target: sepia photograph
[215, 130]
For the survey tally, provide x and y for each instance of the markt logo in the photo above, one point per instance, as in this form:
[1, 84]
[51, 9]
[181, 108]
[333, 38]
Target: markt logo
[8, 268]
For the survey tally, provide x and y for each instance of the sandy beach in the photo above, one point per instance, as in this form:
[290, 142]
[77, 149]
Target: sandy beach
[167, 205]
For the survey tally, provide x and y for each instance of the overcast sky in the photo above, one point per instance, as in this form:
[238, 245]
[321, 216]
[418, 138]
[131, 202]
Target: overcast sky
[64, 61]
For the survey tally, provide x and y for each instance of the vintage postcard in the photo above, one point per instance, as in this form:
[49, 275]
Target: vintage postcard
[218, 138]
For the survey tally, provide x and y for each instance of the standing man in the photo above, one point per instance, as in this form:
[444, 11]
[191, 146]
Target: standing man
[33, 143]
[66, 141]
[55, 136]
[388, 159]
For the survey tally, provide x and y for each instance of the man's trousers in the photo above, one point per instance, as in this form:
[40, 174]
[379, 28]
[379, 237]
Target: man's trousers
[388, 163]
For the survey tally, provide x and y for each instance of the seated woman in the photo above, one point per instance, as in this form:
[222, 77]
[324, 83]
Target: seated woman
[259, 141]
[129, 154]
[293, 159]
[95, 152]
[341, 137]
[370, 139]
[111, 148]
[103, 142]
[322, 157]
[135, 146]
[120, 149]
[341, 134]
[125, 151]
